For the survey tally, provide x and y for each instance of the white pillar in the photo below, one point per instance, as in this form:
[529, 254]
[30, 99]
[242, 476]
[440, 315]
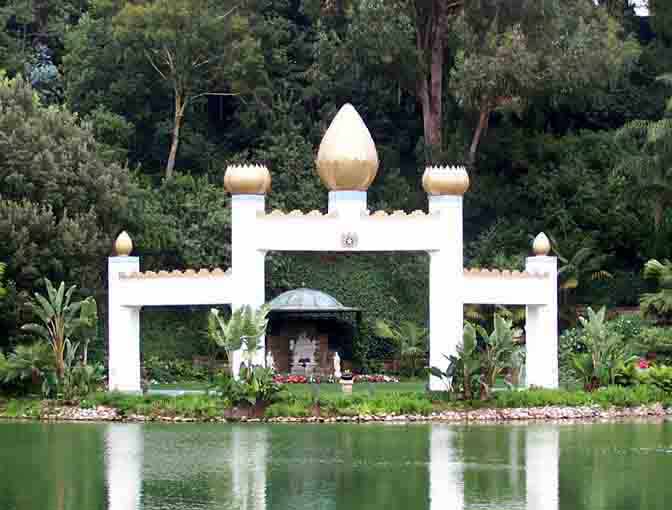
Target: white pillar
[446, 480]
[348, 204]
[247, 263]
[445, 279]
[123, 329]
[542, 467]
[123, 466]
[541, 328]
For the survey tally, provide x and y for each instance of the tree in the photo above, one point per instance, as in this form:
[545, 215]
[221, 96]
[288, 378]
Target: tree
[3, 290]
[431, 19]
[658, 304]
[190, 44]
[512, 50]
[650, 163]
[62, 202]
[661, 19]
[408, 39]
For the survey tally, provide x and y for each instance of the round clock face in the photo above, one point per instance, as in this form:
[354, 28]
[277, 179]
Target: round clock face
[349, 240]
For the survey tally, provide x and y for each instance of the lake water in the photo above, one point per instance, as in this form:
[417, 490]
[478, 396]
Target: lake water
[624, 466]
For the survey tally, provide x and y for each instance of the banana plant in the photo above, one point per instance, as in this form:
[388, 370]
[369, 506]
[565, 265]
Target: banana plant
[499, 353]
[60, 319]
[464, 369]
[605, 351]
[242, 331]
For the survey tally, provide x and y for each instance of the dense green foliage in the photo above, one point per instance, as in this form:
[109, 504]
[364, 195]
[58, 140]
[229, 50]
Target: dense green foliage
[557, 106]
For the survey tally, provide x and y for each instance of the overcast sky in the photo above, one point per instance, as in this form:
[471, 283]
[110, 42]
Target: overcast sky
[642, 9]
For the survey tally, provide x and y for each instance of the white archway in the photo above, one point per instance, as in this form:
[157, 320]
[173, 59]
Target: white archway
[347, 163]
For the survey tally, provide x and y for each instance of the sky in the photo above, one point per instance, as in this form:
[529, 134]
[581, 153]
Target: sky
[641, 8]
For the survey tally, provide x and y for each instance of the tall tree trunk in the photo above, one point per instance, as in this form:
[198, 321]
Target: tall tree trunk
[429, 41]
[483, 117]
[180, 105]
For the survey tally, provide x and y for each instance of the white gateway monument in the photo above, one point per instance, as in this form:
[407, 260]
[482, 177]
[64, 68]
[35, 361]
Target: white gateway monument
[347, 163]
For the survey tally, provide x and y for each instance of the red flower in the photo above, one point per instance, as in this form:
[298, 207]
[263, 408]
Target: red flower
[643, 364]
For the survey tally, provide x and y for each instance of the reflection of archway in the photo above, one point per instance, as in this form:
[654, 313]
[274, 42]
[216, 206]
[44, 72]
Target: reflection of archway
[347, 163]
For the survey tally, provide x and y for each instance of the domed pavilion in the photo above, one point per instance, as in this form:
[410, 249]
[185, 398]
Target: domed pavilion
[306, 328]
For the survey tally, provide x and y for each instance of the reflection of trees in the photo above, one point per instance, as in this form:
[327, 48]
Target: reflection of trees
[615, 467]
[348, 467]
[54, 467]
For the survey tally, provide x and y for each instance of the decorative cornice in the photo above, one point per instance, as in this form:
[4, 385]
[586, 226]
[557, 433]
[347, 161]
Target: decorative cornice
[383, 215]
[502, 274]
[277, 213]
[189, 273]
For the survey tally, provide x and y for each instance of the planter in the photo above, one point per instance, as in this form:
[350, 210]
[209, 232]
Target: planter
[346, 385]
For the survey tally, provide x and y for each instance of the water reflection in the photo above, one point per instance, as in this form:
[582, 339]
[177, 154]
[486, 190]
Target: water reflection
[123, 461]
[542, 467]
[437, 467]
[248, 468]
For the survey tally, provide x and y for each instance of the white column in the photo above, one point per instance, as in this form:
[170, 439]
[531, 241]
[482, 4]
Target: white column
[542, 467]
[446, 480]
[123, 329]
[445, 280]
[123, 465]
[348, 204]
[541, 328]
[247, 263]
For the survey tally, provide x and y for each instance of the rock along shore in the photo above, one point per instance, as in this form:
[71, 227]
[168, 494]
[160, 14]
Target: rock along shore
[533, 414]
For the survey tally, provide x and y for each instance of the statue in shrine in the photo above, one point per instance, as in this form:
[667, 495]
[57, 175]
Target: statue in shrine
[337, 366]
[270, 362]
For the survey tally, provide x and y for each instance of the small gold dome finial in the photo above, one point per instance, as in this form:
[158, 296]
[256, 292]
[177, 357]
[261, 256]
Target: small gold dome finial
[541, 245]
[123, 246]
[445, 180]
[347, 159]
[247, 180]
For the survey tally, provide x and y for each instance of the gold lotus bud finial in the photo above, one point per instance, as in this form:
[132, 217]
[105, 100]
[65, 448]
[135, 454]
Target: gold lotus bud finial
[347, 159]
[123, 246]
[247, 180]
[445, 180]
[541, 245]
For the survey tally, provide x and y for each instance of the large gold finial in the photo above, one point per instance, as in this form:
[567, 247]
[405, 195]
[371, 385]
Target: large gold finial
[247, 180]
[541, 245]
[347, 159]
[445, 180]
[123, 246]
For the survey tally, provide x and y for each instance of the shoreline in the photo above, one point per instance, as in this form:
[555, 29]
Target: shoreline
[547, 414]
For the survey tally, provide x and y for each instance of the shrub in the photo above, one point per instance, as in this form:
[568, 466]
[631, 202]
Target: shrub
[572, 342]
[255, 386]
[167, 371]
[659, 377]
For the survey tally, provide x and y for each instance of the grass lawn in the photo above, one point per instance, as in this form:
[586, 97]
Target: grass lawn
[375, 388]
[306, 389]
